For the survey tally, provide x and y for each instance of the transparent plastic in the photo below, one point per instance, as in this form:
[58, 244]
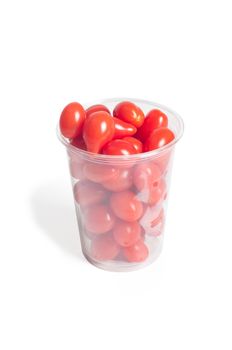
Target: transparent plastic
[101, 182]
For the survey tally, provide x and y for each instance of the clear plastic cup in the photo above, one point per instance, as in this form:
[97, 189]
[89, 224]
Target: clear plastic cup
[121, 201]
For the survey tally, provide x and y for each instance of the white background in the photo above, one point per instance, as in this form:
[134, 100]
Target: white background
[176, 53]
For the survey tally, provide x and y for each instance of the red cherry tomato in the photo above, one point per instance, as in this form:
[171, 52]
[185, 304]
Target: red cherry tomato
[155, 119]
[126, 206]
[99, 219]
[146, 175]
[126, 233]
[96, 108]
[98, 130]
[158, 138]
[87, 193]
[100, 172]
[130, 113]
[104, 248]
[72, 120]
[123, 129]
[123, 181]
[79, 143]
[157, 192]
[135, 142]
[137, 252]
[119, 147]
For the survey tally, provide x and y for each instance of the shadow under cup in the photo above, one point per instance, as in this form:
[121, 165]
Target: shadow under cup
[121, 201]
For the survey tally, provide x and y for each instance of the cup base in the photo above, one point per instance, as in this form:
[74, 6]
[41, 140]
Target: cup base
[123, 266]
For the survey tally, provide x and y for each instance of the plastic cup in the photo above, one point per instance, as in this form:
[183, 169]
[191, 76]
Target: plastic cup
[121, 201]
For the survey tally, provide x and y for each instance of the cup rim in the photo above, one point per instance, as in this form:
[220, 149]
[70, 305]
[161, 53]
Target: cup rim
[132, 157]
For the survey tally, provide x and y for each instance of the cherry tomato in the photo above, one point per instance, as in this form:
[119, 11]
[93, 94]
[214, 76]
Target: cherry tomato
[99, 219]
[130, 113]
[155, 119]
[123, 129]
[146, 175]
[79, 143]
[137, 252]
[72, 120]
[96, 108]
[138, 146]
[126, 206]
[158, 138]
[126, 233]
[87, 193]
[104, 248]
[98, 130]
[157, 192]
[100, 172]
[119, 147]
[123, 181]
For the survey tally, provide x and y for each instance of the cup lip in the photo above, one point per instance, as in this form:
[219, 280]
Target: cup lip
[105, 158]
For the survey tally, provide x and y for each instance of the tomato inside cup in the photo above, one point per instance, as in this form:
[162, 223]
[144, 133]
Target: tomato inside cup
[120, 155]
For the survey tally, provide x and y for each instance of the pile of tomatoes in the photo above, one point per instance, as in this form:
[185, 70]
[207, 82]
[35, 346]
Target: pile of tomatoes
[127, 132]
[121, 205]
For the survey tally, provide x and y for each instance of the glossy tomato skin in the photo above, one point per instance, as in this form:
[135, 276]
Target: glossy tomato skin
[146, 175]
[119, 147]
[72, 120]
[126, 206]
[98, 130]
[96, 108]
[155, 119]
[123, 129]
[99, 172]
[126, 233]
[130, 113]
[104, 247]
[87, 193]
[138, 146]
[137, 252]
[99, 219]
[158, 138]
[121, 182]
